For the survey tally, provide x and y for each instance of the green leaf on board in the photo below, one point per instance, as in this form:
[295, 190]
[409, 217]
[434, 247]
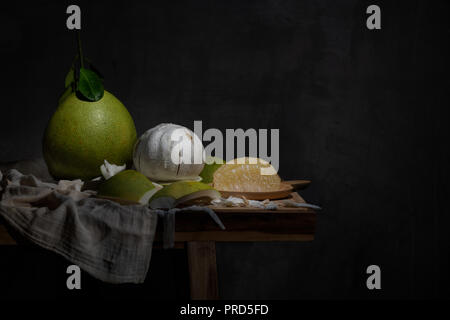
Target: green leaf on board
[90, 85]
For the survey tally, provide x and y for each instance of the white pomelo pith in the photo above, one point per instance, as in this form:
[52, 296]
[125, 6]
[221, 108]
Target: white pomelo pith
[128, 186]
[169, 152]
[183, 192]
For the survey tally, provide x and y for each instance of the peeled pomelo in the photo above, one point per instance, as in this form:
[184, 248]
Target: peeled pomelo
[128, 185]
[82, 134]
[169, 152]
[246, 175]
[183, 192]
[211, 165]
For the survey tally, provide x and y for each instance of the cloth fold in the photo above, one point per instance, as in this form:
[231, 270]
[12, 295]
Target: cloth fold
[109, 241]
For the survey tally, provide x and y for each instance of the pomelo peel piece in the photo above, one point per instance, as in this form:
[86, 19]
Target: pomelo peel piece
[129, 185]
[181, 192]
[109, 170]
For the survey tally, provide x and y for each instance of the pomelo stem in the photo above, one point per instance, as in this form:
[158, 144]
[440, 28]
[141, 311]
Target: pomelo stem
[80, 51]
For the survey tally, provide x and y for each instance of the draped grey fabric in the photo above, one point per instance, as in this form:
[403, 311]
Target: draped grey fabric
[111, 242]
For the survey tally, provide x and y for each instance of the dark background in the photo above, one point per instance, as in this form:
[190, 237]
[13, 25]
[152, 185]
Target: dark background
[361, 113]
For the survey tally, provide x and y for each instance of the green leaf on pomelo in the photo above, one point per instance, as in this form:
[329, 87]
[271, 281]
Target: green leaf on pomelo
[90, 85]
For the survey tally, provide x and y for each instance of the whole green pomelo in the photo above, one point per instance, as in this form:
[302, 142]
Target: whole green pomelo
[82, 134]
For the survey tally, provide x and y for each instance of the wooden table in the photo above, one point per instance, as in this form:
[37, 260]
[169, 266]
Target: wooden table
[198, 234]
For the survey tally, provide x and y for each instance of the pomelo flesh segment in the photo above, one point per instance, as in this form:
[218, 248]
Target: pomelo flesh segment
[246, 175]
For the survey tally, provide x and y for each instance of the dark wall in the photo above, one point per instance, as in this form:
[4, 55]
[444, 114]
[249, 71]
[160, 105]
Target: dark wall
[362, 113]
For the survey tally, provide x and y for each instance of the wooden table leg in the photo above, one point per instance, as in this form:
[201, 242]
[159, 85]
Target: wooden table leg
[202, 270]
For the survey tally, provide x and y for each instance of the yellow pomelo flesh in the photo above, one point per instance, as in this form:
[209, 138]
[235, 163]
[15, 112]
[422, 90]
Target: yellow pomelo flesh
[82, 134]
[246, 175]
[128, 185]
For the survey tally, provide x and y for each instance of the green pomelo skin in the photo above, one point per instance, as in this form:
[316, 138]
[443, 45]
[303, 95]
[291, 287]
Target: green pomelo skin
[82, 134]
[211, 165]
[128, 185]
[182, 192]
[180, 189]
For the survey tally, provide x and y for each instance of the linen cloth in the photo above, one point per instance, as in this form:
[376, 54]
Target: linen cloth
[111, 242]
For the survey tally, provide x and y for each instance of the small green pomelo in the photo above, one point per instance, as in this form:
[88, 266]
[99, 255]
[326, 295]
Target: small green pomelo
[128, 185]
[183, 192]
[211, 165]
[82, 134]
